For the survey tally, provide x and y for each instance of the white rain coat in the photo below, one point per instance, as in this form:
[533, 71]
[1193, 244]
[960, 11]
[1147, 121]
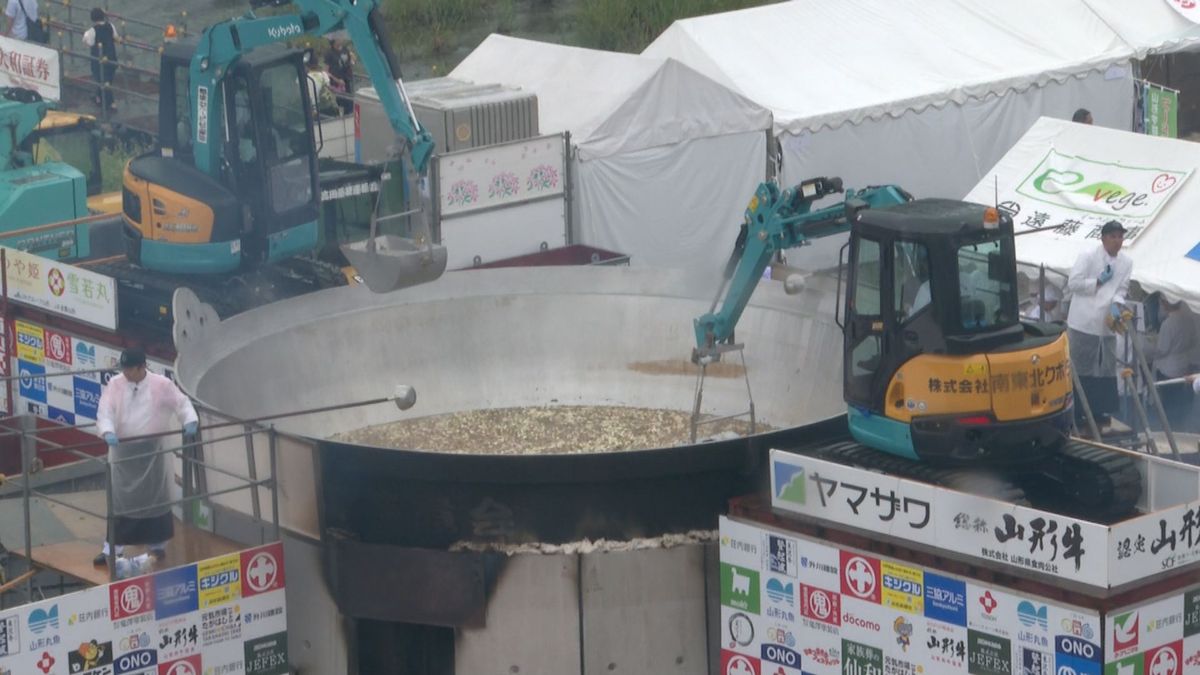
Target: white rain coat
[1090, 303]
[127, 410]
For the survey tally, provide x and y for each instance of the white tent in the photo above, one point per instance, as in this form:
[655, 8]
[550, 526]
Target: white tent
[926, 94]
[1159, 252]
[664, 159]
[1148, 26]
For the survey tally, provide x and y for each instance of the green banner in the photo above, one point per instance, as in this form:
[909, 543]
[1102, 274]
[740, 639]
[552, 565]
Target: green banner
[1161, 106]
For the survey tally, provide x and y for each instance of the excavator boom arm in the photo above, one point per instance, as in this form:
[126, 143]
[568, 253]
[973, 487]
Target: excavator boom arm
[223, 43]
[778, 219]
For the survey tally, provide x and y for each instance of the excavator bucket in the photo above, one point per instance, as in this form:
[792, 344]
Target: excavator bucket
[388, 263]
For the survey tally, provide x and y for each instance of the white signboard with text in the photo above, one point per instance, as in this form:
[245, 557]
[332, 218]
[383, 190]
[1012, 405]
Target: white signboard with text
[1076, 195]
[30, 66]
[222, 615]
[61, 289]
[1003, 533]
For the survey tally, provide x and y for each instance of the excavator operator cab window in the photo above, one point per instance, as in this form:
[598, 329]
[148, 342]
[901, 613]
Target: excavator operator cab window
[285, 138]
[863, 335]
[986, 286]
[911, 282]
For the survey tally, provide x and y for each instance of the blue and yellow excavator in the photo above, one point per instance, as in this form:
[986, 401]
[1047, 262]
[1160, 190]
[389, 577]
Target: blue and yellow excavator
[938, 368]
[235, 181]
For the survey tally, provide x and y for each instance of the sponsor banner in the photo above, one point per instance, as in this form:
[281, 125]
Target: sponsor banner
[1145, 629]
[1003, 534]
[153, 625]
[30, 66]
[501, 175]
[68, 399]
[1160, 108]
[61, 289]
[1164, 540]
[1076, 195]
[847, 611]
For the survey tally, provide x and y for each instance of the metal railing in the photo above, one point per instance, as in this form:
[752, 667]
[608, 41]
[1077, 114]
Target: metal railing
[139, 46]
[195, 467]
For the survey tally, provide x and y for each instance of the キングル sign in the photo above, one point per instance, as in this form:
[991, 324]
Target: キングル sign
[156, 624]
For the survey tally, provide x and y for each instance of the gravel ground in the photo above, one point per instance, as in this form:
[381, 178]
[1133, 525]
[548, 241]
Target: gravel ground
[543, 430]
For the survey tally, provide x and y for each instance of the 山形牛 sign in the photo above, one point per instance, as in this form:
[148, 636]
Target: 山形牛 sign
[1005, 534]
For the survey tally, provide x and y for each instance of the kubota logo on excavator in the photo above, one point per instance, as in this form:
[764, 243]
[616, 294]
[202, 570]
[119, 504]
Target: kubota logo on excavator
[280, 32]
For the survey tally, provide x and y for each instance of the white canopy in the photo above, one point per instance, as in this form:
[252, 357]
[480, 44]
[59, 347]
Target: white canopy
[1148, 26]
[1159, 253]
[817, 63]
[664, 159]
[613, 102]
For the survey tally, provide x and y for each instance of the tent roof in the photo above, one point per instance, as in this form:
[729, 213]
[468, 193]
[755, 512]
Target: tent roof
[1159, 255]
[1147, 26]
[610, 101]
[817, 63]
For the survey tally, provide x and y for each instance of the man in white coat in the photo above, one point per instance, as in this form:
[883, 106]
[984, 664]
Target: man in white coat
[135, 404]
[1099, 282]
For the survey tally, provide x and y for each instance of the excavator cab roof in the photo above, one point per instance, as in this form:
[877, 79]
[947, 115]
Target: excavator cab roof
[932, 217]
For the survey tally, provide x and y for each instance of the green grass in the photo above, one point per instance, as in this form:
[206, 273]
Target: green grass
[631, 25]
[114, 155]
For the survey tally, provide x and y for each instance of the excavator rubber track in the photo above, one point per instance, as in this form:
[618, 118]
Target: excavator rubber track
[1087, 481]
[1079, 479]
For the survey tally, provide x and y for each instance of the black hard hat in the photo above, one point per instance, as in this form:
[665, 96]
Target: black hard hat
[133, 357]
[1112, 226]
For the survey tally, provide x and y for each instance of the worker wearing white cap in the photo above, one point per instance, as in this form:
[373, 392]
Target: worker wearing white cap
[1047, 305]
[135, 404]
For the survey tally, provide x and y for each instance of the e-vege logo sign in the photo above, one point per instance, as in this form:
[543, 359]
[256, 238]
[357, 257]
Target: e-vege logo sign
[1108, 189]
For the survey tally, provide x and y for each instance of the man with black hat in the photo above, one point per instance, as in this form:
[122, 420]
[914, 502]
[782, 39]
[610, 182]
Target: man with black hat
[1099, 282]
[135, 404]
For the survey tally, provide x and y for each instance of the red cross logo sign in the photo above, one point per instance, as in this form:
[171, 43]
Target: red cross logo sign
[989, 603]
[56, 282]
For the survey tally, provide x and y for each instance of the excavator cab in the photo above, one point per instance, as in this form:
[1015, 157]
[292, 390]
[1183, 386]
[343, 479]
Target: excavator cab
[936, 356]
[261, 203]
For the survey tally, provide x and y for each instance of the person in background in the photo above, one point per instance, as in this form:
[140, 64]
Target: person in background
[134, 404]
[1098, 284]
[1171, 354]
[101, 39]
[18, 13]
[324, 102]
[1046, 306]
[340, 60]
[1082, 116]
